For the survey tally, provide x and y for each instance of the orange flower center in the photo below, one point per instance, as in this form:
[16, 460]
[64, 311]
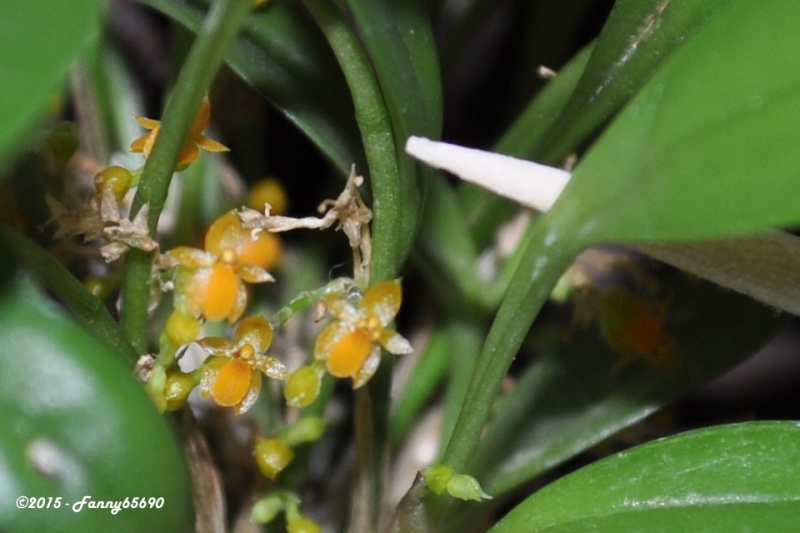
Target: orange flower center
[371, 326]
[227, 256]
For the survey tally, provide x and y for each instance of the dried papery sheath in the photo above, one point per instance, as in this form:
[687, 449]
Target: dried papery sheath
[531, 184]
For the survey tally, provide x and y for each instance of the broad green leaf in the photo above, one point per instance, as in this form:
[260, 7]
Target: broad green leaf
[282, 55]
[39, 41]
[708, 147]
[743, 477]
[571, 398]
[76, 424]
[638, 36]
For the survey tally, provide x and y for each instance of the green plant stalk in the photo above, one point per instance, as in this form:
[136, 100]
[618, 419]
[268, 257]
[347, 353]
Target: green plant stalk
[87, 308]
[545, 259]
[195, 77]
[372, 403]
[376, 131]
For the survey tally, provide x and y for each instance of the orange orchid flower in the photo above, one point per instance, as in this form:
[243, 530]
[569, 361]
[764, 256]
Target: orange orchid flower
[195, 140]
[350, 346]
[232, 374]
[212, 280]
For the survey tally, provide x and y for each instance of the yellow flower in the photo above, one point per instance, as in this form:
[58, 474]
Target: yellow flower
[213, 284]
[195, 140]
[232, 375]
[350, 346]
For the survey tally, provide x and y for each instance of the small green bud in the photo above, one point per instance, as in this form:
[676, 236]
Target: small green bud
[437, 477]
[266, 509]
[303, 386]
[466, 487]
[303, 525]
[272, 456]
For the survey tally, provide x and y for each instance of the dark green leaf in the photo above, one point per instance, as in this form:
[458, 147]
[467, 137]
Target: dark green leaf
[77, 424]
[742, 477]
[39, 40]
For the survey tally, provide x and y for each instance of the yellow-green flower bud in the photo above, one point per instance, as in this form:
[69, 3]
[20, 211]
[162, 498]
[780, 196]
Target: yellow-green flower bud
[303, 525]
[303, 386]
[182, 328]
[437, 477]
[266, 509]
[177, 389]
[272, 456]
[117, 179]
[466, 487]
[100, 286]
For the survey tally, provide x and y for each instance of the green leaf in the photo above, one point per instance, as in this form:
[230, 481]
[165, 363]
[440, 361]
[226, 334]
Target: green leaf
[77, 424]
[39, 41]
[743, 477]
[282, 55]
[708, 147]
[571, 398]
[638, 36]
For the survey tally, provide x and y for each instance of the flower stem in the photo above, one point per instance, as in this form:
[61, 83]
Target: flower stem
[376, 132]
[205, 57]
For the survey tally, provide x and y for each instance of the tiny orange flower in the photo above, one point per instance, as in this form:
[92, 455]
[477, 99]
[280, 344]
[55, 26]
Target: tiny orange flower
[195, 140]
[350, 346]
[634, 327]
[232, 254]
[232, 374]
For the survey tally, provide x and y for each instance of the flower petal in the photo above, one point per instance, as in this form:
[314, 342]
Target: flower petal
[240, 304]
[190, 257]
[147, 123]
[383, 301]
[271, 367]
[252, 394]
[254, 274]
[339, 308]
[329, 337]
[217, 345]
[395, 343]
[263, 251]
[232, 383]
[255, 331]
[189, 154]
[368, 368]
[226, 233]
[349, 354]
[222, 292]
[210, 145]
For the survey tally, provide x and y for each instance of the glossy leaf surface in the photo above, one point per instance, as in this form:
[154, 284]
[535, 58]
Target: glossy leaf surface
[707, 148]
[741, 477]
[77, 424]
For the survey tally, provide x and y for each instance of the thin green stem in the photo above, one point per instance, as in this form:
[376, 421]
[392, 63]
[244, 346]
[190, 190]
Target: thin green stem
[303, 300]
[205, 57]
[87, 308]
[544, 261]
[376, 132]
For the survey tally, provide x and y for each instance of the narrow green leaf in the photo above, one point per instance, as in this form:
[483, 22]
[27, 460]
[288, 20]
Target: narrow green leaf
[638, 36]
[77, 425]
[39, 41]
[281, 53]
[707, 148]
[743, 477]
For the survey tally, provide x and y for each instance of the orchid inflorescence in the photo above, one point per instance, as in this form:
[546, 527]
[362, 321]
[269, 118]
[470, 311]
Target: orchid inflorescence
[212, 284]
